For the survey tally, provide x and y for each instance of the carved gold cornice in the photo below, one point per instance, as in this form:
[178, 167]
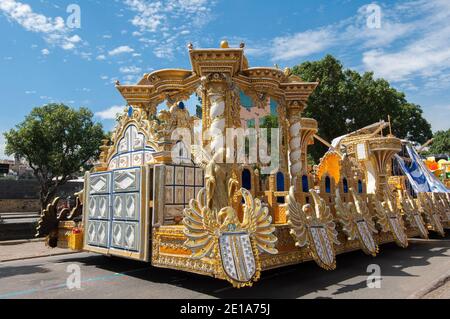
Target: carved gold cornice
[178, 84]
[206, 61]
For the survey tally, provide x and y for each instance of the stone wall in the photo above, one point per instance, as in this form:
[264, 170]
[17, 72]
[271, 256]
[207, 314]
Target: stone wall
[23, 195]
[19, 205]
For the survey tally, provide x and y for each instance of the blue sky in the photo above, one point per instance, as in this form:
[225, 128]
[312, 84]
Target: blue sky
[44, 59]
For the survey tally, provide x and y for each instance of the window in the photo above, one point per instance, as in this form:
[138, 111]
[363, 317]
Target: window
[246, 179]
[280, 187]
[327, 184]
[305, 184]
[345, 185]
[360, 187]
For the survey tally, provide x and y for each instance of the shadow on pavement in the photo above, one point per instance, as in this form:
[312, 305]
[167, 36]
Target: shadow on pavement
[6, 272]
[288, 282]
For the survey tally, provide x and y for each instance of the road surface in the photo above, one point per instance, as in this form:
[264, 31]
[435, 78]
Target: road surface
[404, 272]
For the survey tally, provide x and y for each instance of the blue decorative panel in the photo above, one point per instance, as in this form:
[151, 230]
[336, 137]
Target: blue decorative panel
[360, 187]
[345, 185]
[280, 182]
[246, 179]
[305, 184]
[327, 184]
[280, 187]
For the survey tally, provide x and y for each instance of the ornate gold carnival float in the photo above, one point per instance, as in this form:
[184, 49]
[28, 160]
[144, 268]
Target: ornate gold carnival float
[171, 189]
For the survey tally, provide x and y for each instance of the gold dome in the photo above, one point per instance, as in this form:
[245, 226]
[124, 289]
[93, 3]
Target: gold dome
[224, 44]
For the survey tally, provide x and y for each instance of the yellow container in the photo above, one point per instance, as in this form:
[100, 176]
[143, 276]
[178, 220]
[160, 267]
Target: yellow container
[76, 240]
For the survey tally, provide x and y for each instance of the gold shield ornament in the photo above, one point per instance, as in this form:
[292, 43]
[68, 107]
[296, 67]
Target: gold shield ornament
[413, 216]
[232, 245]
[313, 227]
[357, 222]
[238, 259]
[390, 219]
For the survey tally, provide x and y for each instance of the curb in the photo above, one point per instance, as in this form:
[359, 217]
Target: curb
[433, 286]
[41, 256]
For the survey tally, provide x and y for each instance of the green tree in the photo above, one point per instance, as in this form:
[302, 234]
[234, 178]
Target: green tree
[346, 100]
[269, 122]
[56, 141]
[441, 143]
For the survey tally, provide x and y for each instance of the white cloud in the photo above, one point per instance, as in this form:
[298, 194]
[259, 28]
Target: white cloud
[111, 113]
[157, 18]
[130, 79]
[45, 51]
[121, 50]
[101, 57]
[302, 44]
[130, 70]
[413, 42]
[426, 54]
[54, 30]
[164, 52]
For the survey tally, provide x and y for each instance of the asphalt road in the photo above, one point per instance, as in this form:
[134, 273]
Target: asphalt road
[404, 272]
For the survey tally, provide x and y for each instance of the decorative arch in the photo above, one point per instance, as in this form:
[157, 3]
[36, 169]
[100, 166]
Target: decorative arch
[131, 149]
[330, 165]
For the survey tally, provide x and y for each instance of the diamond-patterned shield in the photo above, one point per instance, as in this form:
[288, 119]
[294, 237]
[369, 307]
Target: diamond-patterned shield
[366, 237]
[420, 226]
[322, 246]
[437, 224]
[398, 232]
[237, 256]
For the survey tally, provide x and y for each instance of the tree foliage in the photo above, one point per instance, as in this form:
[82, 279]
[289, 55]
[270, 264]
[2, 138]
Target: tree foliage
[346, 100]
[56, 141]
[441, 143]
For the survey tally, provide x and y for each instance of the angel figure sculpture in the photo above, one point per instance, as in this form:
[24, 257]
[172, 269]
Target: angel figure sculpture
[390, 219]
[357, 222]
[432, 215]
[231, 245]
[313, 227]
[220, 187]
[412, 213]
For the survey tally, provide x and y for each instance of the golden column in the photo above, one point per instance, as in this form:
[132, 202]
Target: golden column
[382, 150]
[217, 67]
[301, 132]
[308, 129]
